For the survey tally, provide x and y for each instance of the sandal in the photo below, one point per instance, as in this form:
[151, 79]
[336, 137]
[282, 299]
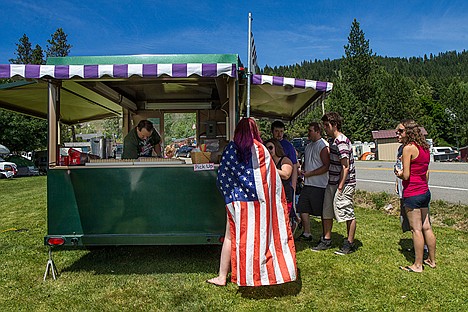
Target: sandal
[429, 264]
[409, 269]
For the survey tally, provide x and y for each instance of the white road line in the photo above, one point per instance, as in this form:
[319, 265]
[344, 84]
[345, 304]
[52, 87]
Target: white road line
[431, 186]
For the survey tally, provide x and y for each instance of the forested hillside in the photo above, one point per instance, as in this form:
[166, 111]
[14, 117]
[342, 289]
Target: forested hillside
[371, 92]
[374, 92]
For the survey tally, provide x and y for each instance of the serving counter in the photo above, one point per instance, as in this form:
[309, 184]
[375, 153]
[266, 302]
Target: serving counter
[134, 203]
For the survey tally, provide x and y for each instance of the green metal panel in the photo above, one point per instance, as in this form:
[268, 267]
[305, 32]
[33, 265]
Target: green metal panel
[135, 206]
[145, 59]
[78, 102]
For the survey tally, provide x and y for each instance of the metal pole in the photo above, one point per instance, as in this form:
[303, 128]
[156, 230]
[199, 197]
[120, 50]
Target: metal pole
[249, 64]
[54, 126]
[323, 104]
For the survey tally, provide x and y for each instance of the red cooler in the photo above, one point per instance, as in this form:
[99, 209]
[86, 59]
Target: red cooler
[75, 157]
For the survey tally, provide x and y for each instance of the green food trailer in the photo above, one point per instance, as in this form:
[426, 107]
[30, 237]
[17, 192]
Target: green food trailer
[155, 201]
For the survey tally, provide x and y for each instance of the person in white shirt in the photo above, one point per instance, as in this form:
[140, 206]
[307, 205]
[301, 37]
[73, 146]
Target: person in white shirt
[315, 172]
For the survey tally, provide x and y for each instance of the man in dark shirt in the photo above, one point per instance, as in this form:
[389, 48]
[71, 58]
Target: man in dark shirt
[141, 141]
[277, 131]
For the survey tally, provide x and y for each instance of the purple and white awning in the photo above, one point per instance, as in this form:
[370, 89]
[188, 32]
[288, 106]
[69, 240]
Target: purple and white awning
[293, 82]
[117, 70]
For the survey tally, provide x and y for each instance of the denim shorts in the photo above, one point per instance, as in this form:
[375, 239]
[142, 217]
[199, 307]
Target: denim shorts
[418, 201]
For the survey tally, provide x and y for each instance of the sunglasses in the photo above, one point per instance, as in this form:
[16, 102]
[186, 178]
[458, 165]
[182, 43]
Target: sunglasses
[270, 147]
[399, 131]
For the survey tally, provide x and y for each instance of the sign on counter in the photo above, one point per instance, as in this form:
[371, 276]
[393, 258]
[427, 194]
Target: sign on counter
[203, 167]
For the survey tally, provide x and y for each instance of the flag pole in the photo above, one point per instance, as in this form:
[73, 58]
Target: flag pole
[249, 64]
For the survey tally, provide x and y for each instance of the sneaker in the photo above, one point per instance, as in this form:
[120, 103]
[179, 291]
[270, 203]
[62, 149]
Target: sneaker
[323, 244]
[346, 249]
[304, 238]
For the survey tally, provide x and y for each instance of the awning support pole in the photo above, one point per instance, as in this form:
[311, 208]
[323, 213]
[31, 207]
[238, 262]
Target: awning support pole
[249, 64]
[323, 103]
[53, 121]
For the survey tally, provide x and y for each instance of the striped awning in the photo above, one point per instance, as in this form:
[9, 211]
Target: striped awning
[117, 70]
[293, 82]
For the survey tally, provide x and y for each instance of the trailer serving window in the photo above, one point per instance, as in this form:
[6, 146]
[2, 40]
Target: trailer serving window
[133, 202]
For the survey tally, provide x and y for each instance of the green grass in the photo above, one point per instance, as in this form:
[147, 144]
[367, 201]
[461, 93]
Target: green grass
[172, 278]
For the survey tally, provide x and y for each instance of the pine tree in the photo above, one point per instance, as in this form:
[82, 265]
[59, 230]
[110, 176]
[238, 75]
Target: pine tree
[58, 44]
[16, 128]
[23, 52]
[358, 64]
[353, 86]
[37, 56]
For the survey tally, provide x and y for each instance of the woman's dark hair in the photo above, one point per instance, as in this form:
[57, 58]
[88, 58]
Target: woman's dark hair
[334, 119]
[244, 135]
[279, 151]
[413, 133]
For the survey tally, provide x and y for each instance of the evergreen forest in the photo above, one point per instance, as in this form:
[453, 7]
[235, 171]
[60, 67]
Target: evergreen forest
[371, 92]
[374, 93]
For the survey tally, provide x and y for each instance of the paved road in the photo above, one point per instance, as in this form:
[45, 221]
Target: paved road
[447, 181]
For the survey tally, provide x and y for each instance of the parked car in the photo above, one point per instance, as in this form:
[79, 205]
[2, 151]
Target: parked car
[25, 167]
[7, 169]
[184, 151]
[40, 161]
[444, 153]
[300, 144]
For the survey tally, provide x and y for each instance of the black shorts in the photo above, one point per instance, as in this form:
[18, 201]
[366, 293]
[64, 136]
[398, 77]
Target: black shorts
[311, 200]
[418, 201]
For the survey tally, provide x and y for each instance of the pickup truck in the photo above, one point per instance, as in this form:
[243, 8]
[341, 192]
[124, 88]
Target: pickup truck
[444, 153]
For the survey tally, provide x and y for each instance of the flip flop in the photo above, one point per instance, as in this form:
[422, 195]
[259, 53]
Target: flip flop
[212, 283]
[429, 264]
[408, 269]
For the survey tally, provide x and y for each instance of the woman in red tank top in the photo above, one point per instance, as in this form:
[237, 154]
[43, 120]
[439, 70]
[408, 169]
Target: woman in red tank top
[416, 194]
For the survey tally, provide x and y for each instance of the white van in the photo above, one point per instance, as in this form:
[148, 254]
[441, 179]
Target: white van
[7, 169]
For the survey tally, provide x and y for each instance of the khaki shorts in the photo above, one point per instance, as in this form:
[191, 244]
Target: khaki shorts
[339, 205]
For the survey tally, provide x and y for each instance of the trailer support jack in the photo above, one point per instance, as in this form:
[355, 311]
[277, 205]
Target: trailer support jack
[50, 266]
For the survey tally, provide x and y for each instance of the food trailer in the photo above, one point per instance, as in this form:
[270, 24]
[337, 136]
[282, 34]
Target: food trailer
[151, 201]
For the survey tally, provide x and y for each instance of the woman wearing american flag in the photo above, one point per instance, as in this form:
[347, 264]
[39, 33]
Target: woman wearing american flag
[258, 245]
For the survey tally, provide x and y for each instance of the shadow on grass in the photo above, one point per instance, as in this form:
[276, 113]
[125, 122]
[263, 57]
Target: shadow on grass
[273, 291]
[148, 260]
[406, 248]
[316, 229]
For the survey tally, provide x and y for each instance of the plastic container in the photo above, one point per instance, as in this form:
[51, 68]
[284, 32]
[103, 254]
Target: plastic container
[76, 157]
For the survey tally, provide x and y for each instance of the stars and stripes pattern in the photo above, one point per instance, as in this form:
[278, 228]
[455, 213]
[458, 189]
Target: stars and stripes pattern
[253, 56]
[263, 251]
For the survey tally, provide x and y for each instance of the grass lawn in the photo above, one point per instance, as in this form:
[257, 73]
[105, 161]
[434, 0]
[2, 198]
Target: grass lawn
[172, 278]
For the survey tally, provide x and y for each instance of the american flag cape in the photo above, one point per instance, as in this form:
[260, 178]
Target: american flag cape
[263, 251]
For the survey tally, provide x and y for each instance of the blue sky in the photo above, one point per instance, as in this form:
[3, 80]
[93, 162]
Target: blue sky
[286, 32]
